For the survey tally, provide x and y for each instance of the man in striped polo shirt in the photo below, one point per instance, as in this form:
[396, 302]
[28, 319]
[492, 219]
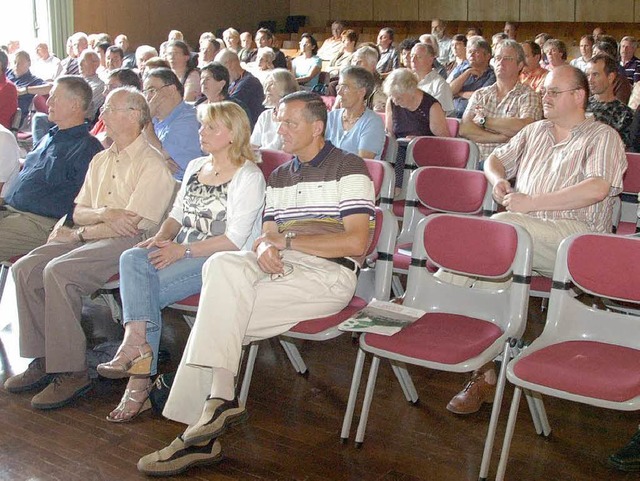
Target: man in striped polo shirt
[316, 231]
[568, 171]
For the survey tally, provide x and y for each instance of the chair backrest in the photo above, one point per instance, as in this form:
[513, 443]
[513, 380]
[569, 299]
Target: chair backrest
[454, 126]
[383, 181]
[271, 160]
[625, 217]
[476, 247]
[16, 120]
[329, 101]
[605, 265]
[442, 152]
[441, 189]
[390, 149]
[40, 103]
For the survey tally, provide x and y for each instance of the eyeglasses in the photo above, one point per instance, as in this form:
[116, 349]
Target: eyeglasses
[106, 109]
[288, 269]
[344, 87]
[554, 93]
[500, 58]
[153, 90]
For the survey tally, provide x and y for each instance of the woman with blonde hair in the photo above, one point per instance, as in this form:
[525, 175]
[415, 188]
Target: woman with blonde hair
[217, 209]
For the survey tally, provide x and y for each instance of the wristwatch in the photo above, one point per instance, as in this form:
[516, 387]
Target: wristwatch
[79, 233]
[187, 253]
[483, 122]
[288, 237]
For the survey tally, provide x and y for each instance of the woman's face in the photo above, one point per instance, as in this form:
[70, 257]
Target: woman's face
[176, 58]
[306, 46]
[349, 92]
[214, 137]
[210, 87]
[460, 50]
[264, 63]
[272, 94]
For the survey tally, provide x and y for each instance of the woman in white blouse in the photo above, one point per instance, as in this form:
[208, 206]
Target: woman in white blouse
[217, 209]
[278, 84]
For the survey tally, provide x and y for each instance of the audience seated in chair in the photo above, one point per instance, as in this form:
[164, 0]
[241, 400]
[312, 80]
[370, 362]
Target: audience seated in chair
[53, 172]
[217, 209]
[9, 159]
[568, 170]
[8, 94]
[244, 293]
[124, 196]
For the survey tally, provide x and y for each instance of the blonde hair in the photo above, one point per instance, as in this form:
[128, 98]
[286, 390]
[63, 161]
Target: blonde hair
[234, 118]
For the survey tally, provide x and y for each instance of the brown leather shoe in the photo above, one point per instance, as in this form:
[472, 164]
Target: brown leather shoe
[34, 377]
[470, 399]
[64, 388]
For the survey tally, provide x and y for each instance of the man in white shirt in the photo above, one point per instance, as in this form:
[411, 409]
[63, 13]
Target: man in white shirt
[47, 66]
[430, 81]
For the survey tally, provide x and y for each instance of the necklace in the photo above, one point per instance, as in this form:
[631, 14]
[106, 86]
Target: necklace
[352, 121]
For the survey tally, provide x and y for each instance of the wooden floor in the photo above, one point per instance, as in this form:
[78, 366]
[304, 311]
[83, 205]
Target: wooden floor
[294, 424]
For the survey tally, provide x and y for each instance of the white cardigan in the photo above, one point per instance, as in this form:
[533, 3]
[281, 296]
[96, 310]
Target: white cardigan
[245, 202]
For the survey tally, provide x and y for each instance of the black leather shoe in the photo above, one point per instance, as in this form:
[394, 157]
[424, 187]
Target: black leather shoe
[628, 458]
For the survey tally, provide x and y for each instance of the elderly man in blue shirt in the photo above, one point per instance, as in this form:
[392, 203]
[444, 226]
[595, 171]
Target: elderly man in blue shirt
[20, 74]
[53, 172]
[175, 125]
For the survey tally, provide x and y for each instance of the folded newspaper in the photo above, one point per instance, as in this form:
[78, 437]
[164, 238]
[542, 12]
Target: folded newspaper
[381, 317]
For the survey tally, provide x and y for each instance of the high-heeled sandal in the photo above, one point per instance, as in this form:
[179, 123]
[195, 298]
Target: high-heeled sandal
[123, 365]
[128, 399]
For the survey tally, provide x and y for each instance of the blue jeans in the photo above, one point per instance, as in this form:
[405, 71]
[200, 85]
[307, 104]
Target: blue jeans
[145, 290]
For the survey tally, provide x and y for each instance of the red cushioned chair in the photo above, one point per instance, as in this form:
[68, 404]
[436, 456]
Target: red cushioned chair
[383, 182]
[627, 218]
[454, 126]
[271, 160]
[585, 355]
[464, 328]
[439, 152]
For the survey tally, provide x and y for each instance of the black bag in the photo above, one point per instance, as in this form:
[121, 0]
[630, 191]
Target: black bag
[160, 391]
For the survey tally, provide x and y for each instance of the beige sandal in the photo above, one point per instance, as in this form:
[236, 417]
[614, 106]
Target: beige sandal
[127, 399]
[124, 365]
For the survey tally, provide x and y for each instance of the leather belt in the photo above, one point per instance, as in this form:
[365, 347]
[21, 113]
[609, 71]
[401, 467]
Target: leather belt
[348, 263]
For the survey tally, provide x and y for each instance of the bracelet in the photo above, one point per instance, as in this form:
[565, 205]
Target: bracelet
[27, 90]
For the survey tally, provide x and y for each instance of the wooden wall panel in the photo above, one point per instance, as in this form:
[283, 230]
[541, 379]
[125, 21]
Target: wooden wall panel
[352, 9]
[445, 9]
[604, 10]
[494, 10]
[90, 17]
[547, 10]
[395, 10]
[318, 12]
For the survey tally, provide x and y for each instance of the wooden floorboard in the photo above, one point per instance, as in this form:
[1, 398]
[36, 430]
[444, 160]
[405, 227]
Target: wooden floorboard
[293, 431]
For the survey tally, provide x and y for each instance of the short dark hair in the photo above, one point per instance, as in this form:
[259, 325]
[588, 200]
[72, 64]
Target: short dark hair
[362, 77]
[315, 108]
[610, 65]
[4, 61]
[314, 42]
[408, 44]
[535, 48]
[167, 77]
[117, 50]
[607, 47]
[389, 31]
[104, 46]
[126, 76]
[581, 83]
[266, 32]
[181, 45]
[78, 88]
[219, 72]
[350, 35]
[460, 38]
[588, 37]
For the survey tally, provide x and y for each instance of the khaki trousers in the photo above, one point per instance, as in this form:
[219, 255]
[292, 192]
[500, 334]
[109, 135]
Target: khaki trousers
[238, 304]
[21, 232]
[50, 282]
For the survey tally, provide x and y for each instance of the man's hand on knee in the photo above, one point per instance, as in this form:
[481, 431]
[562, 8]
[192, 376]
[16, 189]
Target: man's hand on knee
[269, 258]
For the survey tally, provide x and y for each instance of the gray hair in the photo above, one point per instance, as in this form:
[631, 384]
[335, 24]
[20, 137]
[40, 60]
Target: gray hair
[508, 43]
[400, 81]
[367, 54]
[362, 78]
[284, 81]
[430, 39]
[78, 88]
[135, 101]
[145, 49]
[479, 42]
[267, 53]
[426, 46]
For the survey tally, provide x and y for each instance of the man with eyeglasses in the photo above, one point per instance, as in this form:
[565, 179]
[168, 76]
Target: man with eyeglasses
[175, 126]
[316, 229]
[568, 171]
[498, 112]
[125, 194]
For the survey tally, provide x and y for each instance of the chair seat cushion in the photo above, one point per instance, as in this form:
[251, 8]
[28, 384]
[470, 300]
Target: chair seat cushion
[586, 368]
[191, 301]
[401, 261]
[626, 228]
[315, 326]
[440, 337]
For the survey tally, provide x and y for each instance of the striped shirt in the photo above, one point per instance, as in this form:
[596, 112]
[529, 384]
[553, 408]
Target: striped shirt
[541, 166]
[521, 103]
[313, 198]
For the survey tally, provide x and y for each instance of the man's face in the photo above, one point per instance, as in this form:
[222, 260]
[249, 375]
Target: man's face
[586, 49]
[115, 113]
[61, 105]
[42, 51]
[599, 81]
[20, 65]
[79, 45]
[113, 60]
[123, 42]
[506, 64]
[384, 40]
[510, 30]
[262, 40]
[296, 131]
[155, 92]
[421, 61]
[437, 28]
[554, 56]
[336, 30]
[627, 49]
[207, 53]
[245, 40]
[459, 49]
[531, 61]
[560, 96]
[89, 65]
[477, 56]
